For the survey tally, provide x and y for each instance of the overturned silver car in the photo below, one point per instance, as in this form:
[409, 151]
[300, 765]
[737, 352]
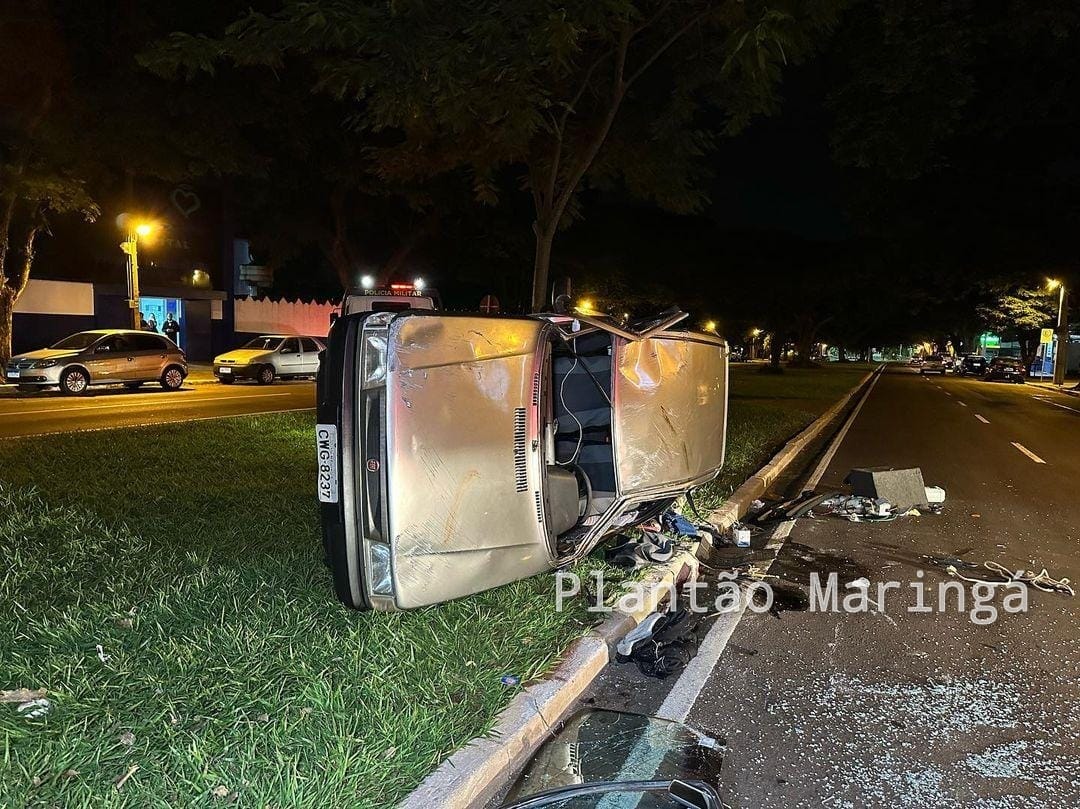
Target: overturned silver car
[457, 453]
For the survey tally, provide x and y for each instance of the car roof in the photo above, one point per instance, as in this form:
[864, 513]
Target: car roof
[283, 336]
[114, 331]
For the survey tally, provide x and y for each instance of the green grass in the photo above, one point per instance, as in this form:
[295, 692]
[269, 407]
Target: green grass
[190, 553]
[765, 410]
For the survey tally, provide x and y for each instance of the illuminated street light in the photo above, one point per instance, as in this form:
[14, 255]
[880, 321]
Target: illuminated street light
[418, 284]
[710, 326]
[585, 307]
[136, 229]
[367, 282]
[755, 332]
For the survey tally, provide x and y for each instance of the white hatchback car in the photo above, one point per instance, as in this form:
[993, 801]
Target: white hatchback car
[269, 356]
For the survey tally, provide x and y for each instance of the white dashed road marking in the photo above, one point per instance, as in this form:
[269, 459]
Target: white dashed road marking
[983, 420]
[1028, 452]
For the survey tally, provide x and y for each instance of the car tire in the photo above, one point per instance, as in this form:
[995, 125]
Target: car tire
[172, 378]
[133, 385]
[266, 375]
[226, 380]
[74, 382]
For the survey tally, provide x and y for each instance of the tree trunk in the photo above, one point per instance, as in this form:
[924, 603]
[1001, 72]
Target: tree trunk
[804, 347]
[7, 309]
[545, 237]
[776, 352]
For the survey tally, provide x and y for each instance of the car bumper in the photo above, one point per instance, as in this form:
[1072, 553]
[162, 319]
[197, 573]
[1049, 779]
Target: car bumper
[43, 377]
[236, 371]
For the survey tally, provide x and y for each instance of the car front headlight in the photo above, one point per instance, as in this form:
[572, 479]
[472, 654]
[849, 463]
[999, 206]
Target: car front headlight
[45, 363]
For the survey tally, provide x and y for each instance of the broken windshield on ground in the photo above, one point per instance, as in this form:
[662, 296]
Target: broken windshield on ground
[610, 746]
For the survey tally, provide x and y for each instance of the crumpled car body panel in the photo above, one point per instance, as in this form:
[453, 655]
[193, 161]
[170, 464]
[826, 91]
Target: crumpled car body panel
[446, 438]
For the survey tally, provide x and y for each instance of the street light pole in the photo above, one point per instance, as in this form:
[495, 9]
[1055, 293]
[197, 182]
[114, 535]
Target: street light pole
[1061, 353]
[131, 247]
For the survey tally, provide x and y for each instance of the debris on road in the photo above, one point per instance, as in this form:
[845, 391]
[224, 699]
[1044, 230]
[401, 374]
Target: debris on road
[903, 488]
[1040, 581]
[661, 645]
[649, 548]
[676, 523]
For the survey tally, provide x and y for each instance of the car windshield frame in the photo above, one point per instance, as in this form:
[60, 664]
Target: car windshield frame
[65, 345]
[263, 343]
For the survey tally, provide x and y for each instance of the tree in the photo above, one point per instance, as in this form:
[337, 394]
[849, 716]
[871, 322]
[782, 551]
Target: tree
[40, 173]
[1019, 313]
[544, 95]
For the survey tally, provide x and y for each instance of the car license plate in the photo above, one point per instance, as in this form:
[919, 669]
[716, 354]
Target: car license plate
[326, 448]
[224, 370]
[12, 374]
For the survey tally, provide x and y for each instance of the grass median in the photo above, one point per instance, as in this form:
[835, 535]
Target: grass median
[166, 586]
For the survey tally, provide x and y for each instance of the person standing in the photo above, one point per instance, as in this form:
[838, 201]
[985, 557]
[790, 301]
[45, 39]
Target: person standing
[151, 323]
[171, 328]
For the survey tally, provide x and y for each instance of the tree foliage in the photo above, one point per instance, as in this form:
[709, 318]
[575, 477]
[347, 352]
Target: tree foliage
[536, 95]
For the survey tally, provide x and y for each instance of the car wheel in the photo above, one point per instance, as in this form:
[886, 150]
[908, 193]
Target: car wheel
[226, 380]
[173, 378]
[266, 375]
[133, 385]
[74, 382]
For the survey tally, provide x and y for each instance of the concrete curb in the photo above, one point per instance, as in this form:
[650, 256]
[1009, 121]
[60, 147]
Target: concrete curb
[757, 484]
[1056, 389]
[471, 777]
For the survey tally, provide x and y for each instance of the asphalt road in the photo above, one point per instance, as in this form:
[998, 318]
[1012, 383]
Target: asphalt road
[889, 707]
[49, 412]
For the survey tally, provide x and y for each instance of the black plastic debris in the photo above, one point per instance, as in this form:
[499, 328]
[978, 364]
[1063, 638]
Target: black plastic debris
[661, 645]
[631, 554]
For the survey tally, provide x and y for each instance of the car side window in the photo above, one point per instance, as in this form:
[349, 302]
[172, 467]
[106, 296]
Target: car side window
[311, 345]
[147, 342]
[290, 346]
[112, 345]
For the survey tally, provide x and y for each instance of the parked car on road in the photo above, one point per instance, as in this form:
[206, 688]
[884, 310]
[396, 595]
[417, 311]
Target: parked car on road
[1009, 369]
[100, 357]
[934, 364]
[973, 364]
[268, 357]
[457, 453]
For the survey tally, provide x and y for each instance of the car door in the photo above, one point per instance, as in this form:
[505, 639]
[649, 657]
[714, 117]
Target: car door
[290, 359]
[150, 354]
[669, 393]
[112, 360]
[311, 355]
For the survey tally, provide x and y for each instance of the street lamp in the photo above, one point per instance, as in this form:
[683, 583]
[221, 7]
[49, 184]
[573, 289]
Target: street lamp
[1061, 353]
[136, 230]
[710, 326]
[754, 334]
